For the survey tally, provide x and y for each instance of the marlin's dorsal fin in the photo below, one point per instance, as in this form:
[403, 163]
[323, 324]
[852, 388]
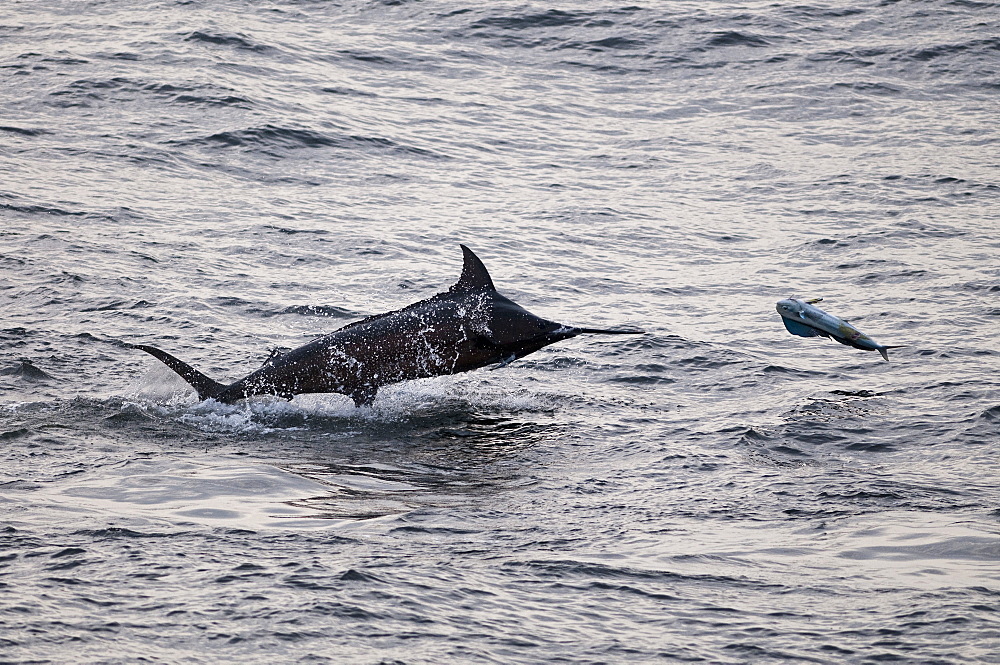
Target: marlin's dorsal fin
[474, 275]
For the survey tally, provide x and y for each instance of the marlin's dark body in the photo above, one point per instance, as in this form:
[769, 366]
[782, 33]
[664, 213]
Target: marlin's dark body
[465, 328]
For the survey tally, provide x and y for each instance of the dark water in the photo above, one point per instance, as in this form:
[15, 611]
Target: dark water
[222, 178]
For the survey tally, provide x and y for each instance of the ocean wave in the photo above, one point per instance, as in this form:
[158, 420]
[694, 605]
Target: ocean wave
[547, 19]
[23, 131]
[733, 38]
[232, 40]
[268, 138]
[25, 370]
[330, 311]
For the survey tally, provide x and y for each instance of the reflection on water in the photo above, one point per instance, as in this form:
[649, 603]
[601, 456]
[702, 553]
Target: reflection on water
[347, 466]
[444, 459]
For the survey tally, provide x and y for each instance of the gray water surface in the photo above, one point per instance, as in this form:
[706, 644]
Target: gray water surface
[223, 178]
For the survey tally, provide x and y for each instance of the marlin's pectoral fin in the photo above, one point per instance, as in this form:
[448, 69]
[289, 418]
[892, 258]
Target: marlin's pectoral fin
[813, 301]
[363, 395]
[506, 361]
[800, 329]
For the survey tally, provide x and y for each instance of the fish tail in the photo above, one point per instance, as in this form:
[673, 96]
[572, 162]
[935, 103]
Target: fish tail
[205, 386]
[884, 350]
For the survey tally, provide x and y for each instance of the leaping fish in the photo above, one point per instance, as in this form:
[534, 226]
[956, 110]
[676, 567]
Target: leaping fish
[468, 326]
[802, 318]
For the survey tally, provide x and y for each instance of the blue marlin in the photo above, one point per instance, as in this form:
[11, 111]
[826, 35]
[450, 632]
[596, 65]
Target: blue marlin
[464, 328]
[802, 318]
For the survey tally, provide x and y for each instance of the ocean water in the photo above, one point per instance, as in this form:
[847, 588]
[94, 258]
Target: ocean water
[222, 178]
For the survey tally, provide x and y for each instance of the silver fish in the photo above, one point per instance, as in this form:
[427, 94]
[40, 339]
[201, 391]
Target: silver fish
[803, 319]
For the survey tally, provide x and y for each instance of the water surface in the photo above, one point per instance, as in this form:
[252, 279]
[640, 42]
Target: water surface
[219, 179]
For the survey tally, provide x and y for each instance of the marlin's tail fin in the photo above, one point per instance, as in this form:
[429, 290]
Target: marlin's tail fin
[883, 350]
[205, 386]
